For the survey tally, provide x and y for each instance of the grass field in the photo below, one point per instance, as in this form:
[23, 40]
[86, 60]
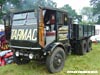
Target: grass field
[88, 62]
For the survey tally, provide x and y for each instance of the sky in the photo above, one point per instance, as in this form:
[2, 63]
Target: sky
[75, 4]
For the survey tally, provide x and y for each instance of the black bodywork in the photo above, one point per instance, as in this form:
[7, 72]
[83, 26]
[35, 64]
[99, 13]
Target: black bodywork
[50, 39]
[28, 46]
[63, 33]
[82, 31]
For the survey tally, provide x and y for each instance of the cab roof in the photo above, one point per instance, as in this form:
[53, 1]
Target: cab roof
[47, 8]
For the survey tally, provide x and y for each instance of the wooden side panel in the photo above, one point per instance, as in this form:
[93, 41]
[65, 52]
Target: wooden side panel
[41, 29]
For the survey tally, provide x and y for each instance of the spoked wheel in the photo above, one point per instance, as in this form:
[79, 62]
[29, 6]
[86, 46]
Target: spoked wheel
[55, 61]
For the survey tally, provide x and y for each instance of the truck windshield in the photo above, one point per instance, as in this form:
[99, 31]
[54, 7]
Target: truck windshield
[28, 18]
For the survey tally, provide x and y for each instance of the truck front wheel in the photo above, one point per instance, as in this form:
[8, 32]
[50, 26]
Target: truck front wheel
[55, 61]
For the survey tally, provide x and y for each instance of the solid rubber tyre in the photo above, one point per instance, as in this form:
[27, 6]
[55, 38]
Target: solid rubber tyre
[55, 61]
[89, 45]
[83, 47]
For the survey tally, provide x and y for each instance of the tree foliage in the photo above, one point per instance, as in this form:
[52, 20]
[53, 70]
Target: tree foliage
[72, 13]
[17, 5]
[94, 2]
[2, 1]
[20, 5]
[96, 8]
[27, 4]
[88, 12]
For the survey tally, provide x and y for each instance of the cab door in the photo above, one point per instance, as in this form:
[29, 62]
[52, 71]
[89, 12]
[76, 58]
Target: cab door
[50, 26]
[63, 27]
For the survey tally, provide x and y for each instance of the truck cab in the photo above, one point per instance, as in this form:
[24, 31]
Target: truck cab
[40, 34]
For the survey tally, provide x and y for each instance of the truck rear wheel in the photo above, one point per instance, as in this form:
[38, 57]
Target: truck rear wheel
[89, 45]
[55, 61]
[20, 60]
[83, 47]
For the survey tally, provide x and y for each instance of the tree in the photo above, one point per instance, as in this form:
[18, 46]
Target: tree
[18, 5]
[72, 13]
[94, 2]
[2, 1]
[88, 12]
[96, 6]
[96, 9]
[51, 3]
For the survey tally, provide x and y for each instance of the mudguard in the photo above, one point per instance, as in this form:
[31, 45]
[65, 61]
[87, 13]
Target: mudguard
[50, 48]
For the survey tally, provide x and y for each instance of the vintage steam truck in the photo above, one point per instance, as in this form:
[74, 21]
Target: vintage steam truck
[48, 34]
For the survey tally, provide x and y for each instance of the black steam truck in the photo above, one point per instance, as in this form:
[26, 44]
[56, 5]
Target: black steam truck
[48, 34]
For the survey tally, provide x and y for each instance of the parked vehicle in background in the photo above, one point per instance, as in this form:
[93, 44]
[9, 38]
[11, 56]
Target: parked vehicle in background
[96, 37]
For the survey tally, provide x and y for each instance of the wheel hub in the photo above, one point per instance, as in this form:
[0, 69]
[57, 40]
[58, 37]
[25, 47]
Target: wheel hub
[57, 61]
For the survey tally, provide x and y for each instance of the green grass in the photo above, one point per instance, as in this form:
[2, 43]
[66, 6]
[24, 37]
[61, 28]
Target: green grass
[88, 62]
